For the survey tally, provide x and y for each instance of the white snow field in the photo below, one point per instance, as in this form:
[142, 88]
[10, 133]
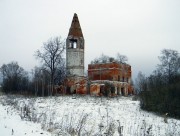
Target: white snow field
[11, 124]
[80, 116]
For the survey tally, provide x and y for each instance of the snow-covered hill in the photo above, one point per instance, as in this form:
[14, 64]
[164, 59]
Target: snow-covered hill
[85, 116]
[11, 124]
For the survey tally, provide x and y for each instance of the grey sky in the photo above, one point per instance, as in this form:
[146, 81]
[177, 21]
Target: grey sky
[139, 29]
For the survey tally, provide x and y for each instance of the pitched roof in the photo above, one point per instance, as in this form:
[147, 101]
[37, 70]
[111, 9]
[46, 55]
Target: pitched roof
[75, 29]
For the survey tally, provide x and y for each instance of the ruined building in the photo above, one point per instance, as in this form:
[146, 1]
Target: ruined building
[76, 82]
[115, 75]
[110, 78]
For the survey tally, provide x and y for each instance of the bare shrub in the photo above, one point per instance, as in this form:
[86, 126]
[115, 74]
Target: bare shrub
[110, 129]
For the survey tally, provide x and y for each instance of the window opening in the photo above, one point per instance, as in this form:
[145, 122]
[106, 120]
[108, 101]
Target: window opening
[74, 45]
[118, 78]
[123, 79]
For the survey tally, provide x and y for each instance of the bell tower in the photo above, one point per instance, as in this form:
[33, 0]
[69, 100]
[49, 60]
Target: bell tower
[75, 50]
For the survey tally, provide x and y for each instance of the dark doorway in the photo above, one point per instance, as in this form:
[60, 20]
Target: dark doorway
[68, 90]
[112, 90]
[101, 89]
[122, 91]
[118, 90]
[74, 91]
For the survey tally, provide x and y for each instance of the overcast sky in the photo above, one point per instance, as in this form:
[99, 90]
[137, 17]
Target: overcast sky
[139, 29]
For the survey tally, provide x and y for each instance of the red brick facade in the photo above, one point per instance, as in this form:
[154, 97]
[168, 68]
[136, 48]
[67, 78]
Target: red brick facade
[110, 71]
[117, 74]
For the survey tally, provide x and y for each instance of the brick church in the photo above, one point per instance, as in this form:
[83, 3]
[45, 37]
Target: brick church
[110, 78]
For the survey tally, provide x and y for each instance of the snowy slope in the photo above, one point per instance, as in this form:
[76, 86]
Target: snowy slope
[11, 124]
[68, 115]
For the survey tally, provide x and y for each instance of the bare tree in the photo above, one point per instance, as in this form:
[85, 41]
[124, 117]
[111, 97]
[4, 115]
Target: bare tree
[95, 61]
[36, 80]
[15, 78]
[51, 56]
[170, 63]
[102, 59]
[60, 73]
[105, 59]
[141, 83]
[121, 58]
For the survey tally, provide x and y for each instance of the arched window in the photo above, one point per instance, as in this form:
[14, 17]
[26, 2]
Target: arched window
[74, 45]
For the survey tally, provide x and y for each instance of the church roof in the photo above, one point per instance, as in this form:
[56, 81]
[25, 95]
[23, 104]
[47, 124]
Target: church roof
[75, 29]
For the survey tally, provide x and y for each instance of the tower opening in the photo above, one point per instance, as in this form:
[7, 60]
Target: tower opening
[75, 45]
[72, 44]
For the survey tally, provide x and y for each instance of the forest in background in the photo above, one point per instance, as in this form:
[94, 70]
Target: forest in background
[160, 92]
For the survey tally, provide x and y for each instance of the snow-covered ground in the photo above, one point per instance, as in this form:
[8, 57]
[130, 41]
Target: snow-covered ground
[81, 115]
[11, 124]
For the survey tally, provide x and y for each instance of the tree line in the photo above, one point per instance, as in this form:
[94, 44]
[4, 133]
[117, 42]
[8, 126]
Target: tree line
[160, 92]
[41, 80]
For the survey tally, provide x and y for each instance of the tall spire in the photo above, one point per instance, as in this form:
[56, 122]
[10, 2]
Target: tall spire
[75, 29]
